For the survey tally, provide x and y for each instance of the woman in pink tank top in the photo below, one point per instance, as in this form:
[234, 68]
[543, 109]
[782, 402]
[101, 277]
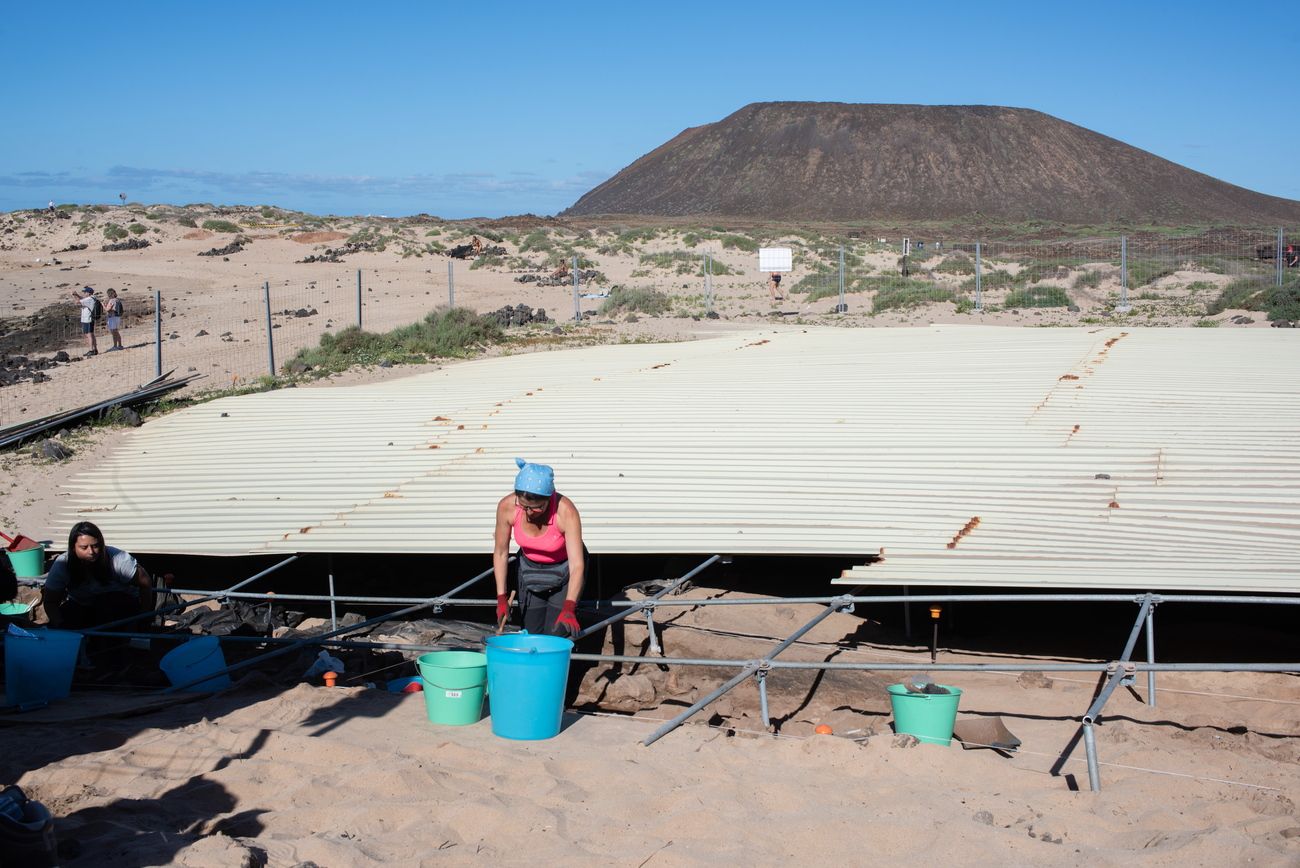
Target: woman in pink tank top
[551, 564]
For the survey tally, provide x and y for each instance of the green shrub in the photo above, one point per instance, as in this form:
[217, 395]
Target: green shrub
[636, 300]
[113, 232]
[956, 263]
[990, 280]
[739, 242]
[137, 229]
[1206, 324]
[487, 262]
[220, 226]
[1037, 296]
[681, 261]
[913, 293]
[187, 221]
[1088, 280]
[1038, 272]
[443, 333]
[634, 236]
[1144, 271]
[538, 240]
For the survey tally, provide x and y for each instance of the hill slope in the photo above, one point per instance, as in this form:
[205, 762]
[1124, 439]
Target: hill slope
[841, 161]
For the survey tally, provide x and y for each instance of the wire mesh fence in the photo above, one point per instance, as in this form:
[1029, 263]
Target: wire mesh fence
[240, 334]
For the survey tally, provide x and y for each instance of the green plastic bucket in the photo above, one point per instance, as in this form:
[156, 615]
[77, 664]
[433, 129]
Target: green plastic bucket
[928, 716]
[454, 684]
[29, 563]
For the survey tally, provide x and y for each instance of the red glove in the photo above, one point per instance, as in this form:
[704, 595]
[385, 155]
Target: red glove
[568, 618]
[503, 607]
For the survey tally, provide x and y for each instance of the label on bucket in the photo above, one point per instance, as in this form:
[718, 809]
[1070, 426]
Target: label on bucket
[453, 694]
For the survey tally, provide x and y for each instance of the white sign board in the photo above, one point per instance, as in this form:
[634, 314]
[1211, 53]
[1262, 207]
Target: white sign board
[775, 259]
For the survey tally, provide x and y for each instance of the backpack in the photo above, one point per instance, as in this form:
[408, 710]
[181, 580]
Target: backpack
[97, 312]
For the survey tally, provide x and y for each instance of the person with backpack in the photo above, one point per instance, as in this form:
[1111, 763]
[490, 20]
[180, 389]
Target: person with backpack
[91, 310]
[113, 317]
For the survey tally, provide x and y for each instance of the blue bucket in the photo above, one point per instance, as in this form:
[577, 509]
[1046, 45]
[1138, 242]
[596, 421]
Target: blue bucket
[194, 659]
[39, 666]
[526, 679]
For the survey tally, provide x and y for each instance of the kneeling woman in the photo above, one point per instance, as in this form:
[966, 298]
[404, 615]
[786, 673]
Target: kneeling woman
[552, 562]
[93, 583]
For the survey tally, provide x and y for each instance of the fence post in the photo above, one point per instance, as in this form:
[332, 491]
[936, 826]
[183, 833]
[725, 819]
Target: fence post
[708, 282]
[451, 284]
[1278, 256]
[979, 287]
[841, 307]
[270, 342]
[1123, 306]
[157, 333]
[358, 298]
[577, 303]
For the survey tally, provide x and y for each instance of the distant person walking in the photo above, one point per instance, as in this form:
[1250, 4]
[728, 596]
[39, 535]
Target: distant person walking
[113, 319]
[90, 307]
[774, 286]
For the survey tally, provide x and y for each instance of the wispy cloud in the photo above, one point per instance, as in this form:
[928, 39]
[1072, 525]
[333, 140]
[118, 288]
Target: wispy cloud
[511, 189]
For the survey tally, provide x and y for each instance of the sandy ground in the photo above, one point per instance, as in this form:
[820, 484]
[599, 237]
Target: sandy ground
[355, 776]
[288, 774]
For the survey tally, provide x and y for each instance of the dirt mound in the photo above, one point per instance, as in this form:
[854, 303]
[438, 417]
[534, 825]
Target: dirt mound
[317, 237]
[840, 161]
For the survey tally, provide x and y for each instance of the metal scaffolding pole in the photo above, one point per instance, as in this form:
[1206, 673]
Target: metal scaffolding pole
[185, 604]
[433, 602]
[1120, 673]
[752, 667]
[649, 602]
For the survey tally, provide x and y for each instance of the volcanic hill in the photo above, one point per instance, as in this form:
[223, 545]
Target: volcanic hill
[843, 161]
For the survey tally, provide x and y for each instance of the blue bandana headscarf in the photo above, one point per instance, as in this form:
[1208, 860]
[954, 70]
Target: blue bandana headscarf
[536, 479]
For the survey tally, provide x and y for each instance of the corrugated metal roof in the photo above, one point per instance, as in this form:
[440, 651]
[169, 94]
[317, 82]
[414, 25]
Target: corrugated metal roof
[1146, 458]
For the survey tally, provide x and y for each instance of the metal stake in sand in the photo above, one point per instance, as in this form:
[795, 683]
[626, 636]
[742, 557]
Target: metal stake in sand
[577, 304]
[270, 342]
[841, 307]
[1123, 306]
[1277, 255]
[358, 298]
[451, 284]
[979, 295]
[157, 333]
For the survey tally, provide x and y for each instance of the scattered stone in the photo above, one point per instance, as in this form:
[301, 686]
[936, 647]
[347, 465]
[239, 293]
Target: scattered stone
[297, 367]
[903, 740]
[129, 244]
[53, 450]
[1241, 319]
[126, 416]
[386, 364]
[1283, 324]
[72, 248]
[236, 246]
[983, 817]
[563, 277]
[518, 315]
[1101, 476]
[1034, 680]
[713, 314]
[632, 318]
[1072, 308]
[202, 333]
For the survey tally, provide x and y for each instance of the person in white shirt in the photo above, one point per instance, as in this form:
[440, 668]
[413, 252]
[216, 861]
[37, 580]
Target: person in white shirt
[88, 305]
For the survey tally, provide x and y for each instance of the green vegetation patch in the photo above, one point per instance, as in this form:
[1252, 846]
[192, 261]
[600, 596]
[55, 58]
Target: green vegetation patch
[1144, 271]
[956, 263]
[137, 229]
[443, 333]
[1249, 293]
[113, 232]
[1088, 280]
[636, 299]
[739, 242]
[680, 261]
[1037, 296]
[912, 293]
[538, 240]
[220, 226]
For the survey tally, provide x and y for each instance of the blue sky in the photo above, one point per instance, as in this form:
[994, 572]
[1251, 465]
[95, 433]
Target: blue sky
[487, 109]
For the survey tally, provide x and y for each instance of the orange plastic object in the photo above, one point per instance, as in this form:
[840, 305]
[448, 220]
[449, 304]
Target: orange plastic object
[330, 678]
[824, 729]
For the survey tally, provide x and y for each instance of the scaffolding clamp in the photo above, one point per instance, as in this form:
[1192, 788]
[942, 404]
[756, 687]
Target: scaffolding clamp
[846, 604]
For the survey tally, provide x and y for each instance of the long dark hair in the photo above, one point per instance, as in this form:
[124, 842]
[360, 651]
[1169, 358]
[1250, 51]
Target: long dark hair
[78, 570]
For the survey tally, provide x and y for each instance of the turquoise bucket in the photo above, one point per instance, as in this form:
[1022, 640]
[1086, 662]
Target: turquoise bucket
[526, 679]
[28, 563]
[39, 666]
[928, 716]
[194, 659]
[453, 686]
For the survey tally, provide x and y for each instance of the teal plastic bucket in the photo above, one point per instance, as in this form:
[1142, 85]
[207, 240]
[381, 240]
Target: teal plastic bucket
[194, 659]
[29, 563]
[454, 682]
[928, 716]
[39, 666]
[526, 678]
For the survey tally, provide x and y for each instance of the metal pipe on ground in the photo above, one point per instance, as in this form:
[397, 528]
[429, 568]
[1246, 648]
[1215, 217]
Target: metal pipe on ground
[432, 602]
[634, 605]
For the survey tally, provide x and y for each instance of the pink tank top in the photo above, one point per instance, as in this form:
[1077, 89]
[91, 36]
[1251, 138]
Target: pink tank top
[549, 547]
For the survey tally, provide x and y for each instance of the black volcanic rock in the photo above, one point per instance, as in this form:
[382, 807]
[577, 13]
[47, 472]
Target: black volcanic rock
[842, 161]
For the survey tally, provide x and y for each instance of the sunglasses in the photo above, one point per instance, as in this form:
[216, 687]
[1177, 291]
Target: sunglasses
[531, 507]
